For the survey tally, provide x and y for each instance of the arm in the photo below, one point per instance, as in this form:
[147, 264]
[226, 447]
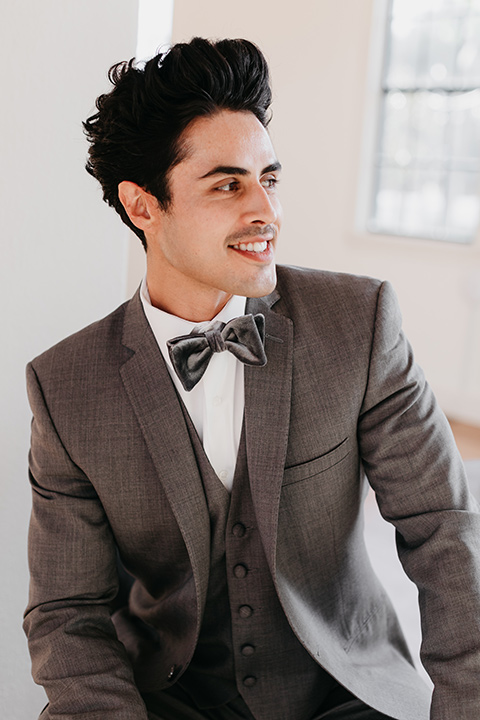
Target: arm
[414, 467]
[75, 652]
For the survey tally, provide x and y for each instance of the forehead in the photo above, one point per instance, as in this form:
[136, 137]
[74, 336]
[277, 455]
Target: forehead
[227, 138]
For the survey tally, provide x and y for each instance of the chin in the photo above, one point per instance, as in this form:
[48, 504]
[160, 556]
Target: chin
[260, 287]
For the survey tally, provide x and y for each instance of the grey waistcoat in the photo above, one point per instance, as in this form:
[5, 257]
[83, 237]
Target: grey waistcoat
[246, 645]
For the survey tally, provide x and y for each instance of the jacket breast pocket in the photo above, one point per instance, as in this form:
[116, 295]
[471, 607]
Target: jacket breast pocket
[297, 473]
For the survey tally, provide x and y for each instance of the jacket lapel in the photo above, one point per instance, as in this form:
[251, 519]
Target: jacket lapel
[267, 416]
[159, 414]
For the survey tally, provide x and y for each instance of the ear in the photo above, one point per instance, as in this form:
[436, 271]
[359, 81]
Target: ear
[139, 205]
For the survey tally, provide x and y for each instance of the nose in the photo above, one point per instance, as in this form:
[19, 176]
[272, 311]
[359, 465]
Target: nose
[262, 207]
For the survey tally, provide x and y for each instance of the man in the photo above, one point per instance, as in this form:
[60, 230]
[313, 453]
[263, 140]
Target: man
[196, 539]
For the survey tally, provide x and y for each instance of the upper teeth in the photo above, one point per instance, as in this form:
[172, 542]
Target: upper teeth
[252, 247]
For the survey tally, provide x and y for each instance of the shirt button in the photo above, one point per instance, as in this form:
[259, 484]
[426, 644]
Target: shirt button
[245, 611]
[223, 474]
[249, 681]
[247, 650]
[240, 571]
[239, 530]
[217, 400]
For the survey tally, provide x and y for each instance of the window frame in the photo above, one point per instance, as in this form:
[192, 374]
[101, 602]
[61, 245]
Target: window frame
[379, 69]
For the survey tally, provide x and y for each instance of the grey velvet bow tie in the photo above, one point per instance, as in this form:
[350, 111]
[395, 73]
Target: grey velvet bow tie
[243, 337]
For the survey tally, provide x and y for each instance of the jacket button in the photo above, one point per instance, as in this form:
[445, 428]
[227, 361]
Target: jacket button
[249, 681]
[245, 611]
[239, 530]
[247, 650]
[240, 571]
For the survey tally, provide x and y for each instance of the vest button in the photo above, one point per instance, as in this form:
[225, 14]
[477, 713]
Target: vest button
[240, 571]
[245, 611]
[249, 681]
[239, 530]
[247, 650]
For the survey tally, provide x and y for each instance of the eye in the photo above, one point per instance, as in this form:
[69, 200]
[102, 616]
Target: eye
[270, 182]
[230, 186]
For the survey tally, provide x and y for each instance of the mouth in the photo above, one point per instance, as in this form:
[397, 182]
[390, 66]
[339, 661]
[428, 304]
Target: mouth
[255, 247]
[260, 251]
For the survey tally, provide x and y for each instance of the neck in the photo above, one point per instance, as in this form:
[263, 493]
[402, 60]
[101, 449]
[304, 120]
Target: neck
[193, 306]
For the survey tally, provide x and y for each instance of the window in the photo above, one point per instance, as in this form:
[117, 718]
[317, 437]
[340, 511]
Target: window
[427, 168]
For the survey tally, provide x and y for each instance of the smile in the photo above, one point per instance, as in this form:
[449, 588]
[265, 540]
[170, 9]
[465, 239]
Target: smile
[257, 247]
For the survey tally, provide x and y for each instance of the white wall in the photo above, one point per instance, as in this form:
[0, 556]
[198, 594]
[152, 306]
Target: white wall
[319, 58]
[63, 252]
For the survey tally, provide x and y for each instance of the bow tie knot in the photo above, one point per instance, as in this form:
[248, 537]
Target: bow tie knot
[243, 337]
[214, 337]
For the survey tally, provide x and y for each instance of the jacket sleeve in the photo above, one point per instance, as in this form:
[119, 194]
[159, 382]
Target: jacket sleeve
[75, 653]
[414, 467]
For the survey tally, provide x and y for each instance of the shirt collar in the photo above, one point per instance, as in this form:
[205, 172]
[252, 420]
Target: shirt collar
[166, 326]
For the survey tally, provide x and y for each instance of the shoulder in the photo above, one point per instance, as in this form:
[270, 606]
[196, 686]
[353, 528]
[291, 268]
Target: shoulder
[97, 345]
[339, 310]
[321, 293]
[296, 281]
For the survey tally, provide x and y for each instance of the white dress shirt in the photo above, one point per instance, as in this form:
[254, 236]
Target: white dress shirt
[216, 403]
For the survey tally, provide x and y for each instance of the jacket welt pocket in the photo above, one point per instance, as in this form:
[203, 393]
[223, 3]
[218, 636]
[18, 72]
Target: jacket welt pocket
[318, 465]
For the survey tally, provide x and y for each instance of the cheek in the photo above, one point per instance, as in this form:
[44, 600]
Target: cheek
[279, 211]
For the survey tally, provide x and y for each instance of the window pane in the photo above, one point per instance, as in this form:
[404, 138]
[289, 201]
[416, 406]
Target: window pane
[440, 58]
[424, 203]
[414, 9]
[464, 204]
[466, 131]
[406, 41]
[434, 49]
[467, 66]
[420, 8]
[396, 131]
[388, 201]
[430, 126]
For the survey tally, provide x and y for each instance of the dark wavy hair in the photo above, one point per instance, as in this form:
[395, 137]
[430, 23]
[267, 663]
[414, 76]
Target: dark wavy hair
[136, 133]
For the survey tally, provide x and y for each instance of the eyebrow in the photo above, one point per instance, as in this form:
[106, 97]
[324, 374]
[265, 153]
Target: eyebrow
[232, 170]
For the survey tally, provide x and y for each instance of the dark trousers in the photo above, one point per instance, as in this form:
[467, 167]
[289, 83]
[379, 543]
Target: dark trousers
[175, 704]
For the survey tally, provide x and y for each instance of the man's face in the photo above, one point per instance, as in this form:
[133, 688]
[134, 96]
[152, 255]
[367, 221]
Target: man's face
[218, 236]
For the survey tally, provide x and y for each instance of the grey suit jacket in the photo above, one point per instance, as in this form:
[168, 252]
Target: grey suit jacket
[113, 471]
